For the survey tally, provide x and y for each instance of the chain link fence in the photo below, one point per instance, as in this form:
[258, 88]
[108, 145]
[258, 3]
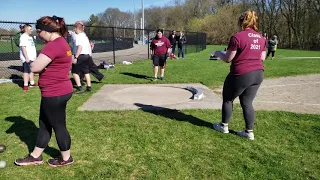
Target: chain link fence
[111, 44]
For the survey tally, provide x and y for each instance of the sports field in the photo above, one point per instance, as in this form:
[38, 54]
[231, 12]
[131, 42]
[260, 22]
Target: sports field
[8, 47]
[168, 144]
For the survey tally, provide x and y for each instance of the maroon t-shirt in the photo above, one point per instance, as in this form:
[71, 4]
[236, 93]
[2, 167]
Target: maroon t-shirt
[160, 46]
[249, 45]
[55, 80]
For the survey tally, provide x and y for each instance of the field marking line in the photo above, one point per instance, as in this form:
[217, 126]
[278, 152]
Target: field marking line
[284, 85]
[300, 58]
[292, 103]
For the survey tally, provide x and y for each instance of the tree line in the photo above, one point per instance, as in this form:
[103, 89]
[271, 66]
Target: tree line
[295, 22]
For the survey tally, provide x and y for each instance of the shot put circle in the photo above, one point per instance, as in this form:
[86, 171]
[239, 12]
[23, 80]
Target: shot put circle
[157, 95]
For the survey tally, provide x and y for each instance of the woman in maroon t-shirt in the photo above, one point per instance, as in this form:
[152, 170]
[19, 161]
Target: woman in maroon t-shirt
[53, 64]
[246, 52]
[160, 46]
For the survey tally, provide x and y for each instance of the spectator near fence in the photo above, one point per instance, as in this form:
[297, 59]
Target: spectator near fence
[28, 54]
[272, 46]
[93, 68]
[82, 57]
[173, 40]
[181, 41]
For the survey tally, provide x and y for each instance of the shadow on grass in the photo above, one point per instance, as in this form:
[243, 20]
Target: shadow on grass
[177, 116]
[174, 115]
[27, 131]
[18, 68]
[16, 79]
[138, 76]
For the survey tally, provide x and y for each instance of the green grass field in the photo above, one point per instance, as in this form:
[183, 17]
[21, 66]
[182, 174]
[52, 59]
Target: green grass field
[11, 47]
[8, 47]
[168, 144]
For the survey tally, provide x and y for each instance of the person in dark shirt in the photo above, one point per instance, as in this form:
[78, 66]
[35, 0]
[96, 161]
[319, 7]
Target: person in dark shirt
[173, 40]
[272, 46]
[181, 41]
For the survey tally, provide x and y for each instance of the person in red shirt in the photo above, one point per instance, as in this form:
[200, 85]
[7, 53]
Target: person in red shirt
[160, 47]
[53, 65]
[246, 52]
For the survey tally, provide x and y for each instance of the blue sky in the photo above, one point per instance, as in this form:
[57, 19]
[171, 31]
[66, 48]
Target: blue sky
[71, 10]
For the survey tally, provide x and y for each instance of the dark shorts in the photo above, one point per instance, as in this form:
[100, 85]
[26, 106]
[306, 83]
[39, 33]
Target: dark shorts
[82, 66]
[26, 67]
[159, 60]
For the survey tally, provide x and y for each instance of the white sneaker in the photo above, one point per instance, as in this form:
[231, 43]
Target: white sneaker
[245, 134]
[220, 128]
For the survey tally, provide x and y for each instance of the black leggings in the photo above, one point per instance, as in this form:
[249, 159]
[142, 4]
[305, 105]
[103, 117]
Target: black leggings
[272, 52]
[94, 70]
[53, 116]
[245, 86]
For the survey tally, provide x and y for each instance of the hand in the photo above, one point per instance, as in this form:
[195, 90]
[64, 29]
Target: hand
[75, 61]
[27, 60]
[172, 56]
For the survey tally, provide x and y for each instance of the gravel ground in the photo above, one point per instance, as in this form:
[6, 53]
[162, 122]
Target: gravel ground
[299, 94]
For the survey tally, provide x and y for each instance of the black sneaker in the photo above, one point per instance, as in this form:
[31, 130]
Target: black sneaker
[78, 90]
[88, 89]
[29, 160]
[60, 162]
[162, 78]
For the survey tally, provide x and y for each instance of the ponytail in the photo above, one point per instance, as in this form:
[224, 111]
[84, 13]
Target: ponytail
[62, 26]
[249, 19]
[52, 24]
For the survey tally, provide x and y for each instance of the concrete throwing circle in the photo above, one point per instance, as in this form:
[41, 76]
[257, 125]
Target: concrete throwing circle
[152, 95]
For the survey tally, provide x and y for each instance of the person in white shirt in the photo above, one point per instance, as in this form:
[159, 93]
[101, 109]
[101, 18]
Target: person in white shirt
[94, 70]
[28, 54]
[81, 58]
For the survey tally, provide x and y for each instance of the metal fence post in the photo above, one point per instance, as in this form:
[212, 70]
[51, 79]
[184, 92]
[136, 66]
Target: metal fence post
[186, 45]
[197, 42]
[113, 46]
[11, 43]
[148, 44]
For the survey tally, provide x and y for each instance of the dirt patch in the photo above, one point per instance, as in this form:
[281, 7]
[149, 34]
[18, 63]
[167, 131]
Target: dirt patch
[299, 94]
